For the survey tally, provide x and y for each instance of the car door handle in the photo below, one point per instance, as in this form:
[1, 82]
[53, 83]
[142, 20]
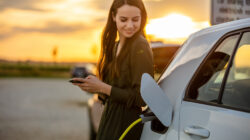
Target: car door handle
[198, 131]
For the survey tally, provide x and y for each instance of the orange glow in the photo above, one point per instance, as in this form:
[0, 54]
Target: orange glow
[174, 27]
[38, 47]
[75, 26]
[242, 57]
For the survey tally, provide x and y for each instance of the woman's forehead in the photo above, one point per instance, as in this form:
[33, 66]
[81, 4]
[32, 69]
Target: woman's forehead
[128, 11]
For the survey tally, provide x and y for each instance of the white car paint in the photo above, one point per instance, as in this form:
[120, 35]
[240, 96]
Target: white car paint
[218, 122]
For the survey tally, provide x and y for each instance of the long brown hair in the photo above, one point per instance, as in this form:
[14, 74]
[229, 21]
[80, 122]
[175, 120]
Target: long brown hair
[109, 35]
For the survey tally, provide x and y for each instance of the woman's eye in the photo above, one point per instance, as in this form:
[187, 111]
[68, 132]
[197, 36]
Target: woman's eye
[123, 20]
[135, 20]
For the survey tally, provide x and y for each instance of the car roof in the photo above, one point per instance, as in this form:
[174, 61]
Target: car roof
[178, 74]
[228, 26]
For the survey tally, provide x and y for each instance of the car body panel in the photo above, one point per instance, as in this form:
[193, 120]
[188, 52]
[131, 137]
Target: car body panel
[222, 123]
[175, 79]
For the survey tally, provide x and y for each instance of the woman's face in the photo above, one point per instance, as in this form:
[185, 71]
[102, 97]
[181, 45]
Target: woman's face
[128, 20]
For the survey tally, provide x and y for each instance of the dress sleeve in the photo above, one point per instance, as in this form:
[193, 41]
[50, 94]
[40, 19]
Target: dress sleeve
[141, 61]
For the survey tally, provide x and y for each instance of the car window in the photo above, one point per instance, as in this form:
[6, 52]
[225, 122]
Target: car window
[238, 81]
[207, 82]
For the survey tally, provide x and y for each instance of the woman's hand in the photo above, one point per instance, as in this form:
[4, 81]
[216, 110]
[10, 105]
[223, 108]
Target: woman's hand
[92, 84]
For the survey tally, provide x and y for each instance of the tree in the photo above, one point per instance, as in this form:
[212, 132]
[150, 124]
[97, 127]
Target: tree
[54, 53]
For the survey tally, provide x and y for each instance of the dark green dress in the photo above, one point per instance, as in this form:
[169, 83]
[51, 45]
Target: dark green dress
[123, 106]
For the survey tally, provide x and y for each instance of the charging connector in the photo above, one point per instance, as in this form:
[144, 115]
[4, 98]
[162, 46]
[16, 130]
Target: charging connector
[149, 116]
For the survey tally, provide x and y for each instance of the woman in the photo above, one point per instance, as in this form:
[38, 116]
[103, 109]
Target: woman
[120, 68]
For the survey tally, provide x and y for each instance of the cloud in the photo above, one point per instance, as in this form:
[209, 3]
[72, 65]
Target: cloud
[32, 5]
[192, 8]
[101, 20]
[5, 35]
[102, 5]
[51, 27]
[54, 27]
[152, 0]
[159, 8]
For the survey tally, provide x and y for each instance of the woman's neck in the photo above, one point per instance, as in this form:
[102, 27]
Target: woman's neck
[121, 40]
[120, 45]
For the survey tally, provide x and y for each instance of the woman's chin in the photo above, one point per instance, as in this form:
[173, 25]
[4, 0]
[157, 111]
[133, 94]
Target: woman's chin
[129, 35]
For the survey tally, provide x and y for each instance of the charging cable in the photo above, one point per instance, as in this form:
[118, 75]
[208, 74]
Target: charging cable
[143, 118]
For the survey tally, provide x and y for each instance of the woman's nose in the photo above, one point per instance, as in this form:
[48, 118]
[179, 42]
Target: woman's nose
[130, 24]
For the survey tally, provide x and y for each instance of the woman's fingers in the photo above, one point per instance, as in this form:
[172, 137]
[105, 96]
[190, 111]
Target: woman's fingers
[89, 84]
[80, 79]
[81, 84]
[91, 76]
[87, 89]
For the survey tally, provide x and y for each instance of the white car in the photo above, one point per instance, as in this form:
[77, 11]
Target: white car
[205, 91]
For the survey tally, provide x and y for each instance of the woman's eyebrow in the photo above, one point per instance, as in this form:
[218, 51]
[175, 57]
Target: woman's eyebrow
[128, 17]
[136, 17]
[122, 17]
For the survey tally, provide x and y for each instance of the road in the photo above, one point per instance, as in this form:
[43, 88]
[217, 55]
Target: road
[42, 109]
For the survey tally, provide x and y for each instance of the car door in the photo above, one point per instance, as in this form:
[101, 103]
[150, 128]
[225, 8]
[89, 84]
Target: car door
[216, 105]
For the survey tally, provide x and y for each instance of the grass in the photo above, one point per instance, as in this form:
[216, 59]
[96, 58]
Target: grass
[39, 70]
[24, 69]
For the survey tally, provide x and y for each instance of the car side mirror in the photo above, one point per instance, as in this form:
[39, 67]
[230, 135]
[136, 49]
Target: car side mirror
[156, 99]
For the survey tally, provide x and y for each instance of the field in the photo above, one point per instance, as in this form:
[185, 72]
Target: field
[42, 70]
[31, 69]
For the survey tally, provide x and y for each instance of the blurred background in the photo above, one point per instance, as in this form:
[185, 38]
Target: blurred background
[70, 30]
[43, 43]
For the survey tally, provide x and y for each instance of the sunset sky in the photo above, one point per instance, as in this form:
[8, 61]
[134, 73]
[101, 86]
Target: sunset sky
[31, 29]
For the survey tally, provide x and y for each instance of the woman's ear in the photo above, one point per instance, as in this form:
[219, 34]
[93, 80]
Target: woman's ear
[113, 17]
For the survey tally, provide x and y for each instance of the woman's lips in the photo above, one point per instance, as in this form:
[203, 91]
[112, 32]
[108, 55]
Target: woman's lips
[129, 32]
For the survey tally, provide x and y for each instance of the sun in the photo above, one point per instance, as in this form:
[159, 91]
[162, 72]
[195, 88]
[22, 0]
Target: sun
[173, 26]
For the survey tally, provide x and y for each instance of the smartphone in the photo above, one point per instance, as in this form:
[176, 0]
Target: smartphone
[75, 81]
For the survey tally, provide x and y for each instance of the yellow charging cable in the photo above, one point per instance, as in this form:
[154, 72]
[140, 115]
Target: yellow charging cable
[131, 126]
